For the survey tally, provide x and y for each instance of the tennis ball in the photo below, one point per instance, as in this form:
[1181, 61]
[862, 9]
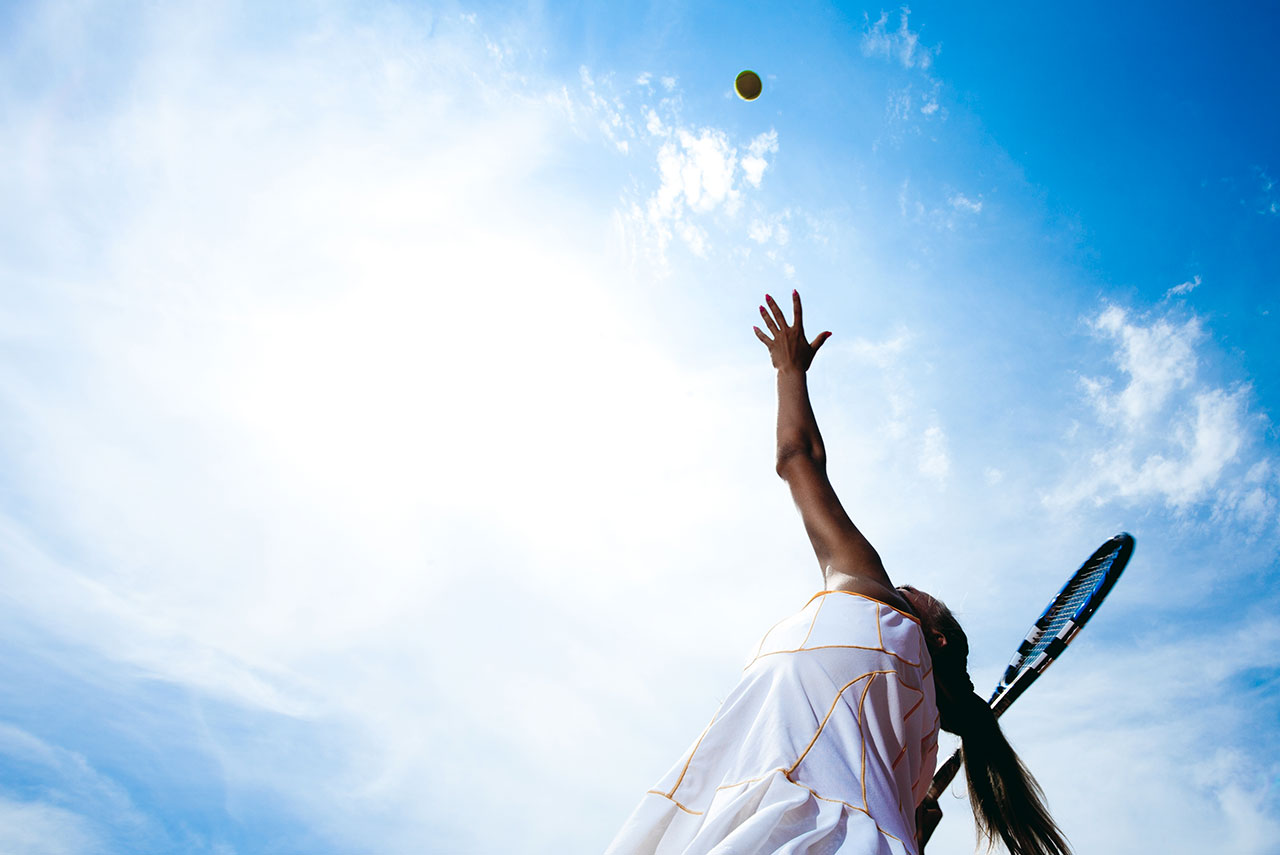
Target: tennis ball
[748, 85]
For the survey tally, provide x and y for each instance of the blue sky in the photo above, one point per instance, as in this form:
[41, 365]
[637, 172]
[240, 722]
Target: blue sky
[388, 451]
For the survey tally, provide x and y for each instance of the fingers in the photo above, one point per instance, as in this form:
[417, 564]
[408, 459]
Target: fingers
[782, 319]
[777, 321]
[768, 319]
[796, 311]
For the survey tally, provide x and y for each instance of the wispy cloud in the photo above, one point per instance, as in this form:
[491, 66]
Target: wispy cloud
[934, 461]
[951, 211]
[702, 176]
[914, 429]
[1166, 433]
[613, 119]
[1270, 197]
[961, 202]
[901, 44]
[754, 162]
[41, 828]
[701, 172]
[1212, 779]
[70, 806]
[1159, 360]
[1183, 288]
[916, 99]
[1220, 757]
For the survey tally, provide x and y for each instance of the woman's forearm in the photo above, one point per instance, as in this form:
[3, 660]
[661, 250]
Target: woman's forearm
[797, 427]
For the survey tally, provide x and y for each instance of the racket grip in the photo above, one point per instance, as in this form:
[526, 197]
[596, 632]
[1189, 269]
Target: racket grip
[944, 776]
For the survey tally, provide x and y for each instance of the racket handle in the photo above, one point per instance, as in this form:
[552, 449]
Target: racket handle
[944, 776]
[928, 815]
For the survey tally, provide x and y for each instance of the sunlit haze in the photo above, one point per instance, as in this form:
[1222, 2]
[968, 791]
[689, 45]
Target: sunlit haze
[389, 457]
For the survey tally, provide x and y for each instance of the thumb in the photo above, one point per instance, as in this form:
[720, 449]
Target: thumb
[817, 342]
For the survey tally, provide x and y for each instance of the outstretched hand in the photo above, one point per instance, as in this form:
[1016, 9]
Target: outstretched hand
[788, 348]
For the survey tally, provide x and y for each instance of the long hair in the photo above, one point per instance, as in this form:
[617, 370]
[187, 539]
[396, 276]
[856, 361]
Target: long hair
[1005, 798]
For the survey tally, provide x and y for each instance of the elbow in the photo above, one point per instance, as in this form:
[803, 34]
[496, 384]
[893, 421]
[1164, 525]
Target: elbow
[789, 456]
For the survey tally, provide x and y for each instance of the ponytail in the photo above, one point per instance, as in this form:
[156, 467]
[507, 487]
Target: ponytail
[1005, 798]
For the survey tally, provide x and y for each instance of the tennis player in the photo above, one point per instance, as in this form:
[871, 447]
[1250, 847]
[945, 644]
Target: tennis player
[829, 740]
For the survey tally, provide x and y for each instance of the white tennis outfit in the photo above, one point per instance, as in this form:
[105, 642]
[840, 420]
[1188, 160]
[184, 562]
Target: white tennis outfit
[826, 745]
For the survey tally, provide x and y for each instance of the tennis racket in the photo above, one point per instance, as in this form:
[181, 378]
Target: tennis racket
[1066, 615]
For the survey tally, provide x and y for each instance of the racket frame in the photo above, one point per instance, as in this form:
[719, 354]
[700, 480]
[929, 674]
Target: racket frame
[1021, 674]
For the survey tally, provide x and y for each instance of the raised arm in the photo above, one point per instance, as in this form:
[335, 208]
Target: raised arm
[847, 559]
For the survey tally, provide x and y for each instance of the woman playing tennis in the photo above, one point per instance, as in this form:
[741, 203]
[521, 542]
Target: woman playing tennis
[828, 742]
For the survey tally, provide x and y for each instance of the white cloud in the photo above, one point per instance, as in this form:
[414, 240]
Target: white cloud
[1204, 440]
[914, 99]
[1184, 288]
[1269, 205]
[772, 230]
[1159, 360]
[907, 205]
[613, 118]
[696, 175]
[1208, 783]
[902, 44]
[1253, 499]
[911, 431]
[653, 124]
[40, 828]
[1231, 778]
[1167, 434]
[706, 169]
[754, 162]
[943, 212]
[883, 354]
[961, 202]
[76, 809]
[899, 106]
[700, 172]
[934, 461]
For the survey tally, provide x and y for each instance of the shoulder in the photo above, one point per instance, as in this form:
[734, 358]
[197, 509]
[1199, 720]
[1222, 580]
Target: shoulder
[839, 581]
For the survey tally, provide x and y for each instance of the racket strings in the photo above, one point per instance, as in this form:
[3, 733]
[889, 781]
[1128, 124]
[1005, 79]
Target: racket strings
[1067, 606]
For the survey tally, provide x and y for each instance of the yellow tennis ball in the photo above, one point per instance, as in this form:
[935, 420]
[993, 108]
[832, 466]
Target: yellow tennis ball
[748, 85]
